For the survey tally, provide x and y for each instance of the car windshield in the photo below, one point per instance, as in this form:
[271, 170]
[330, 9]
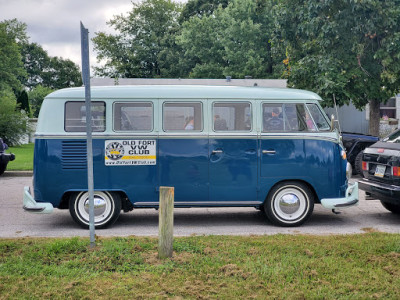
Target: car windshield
[393, 138]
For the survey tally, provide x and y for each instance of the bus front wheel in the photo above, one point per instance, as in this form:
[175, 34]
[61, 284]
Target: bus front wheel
[107, 207]
[289, 203]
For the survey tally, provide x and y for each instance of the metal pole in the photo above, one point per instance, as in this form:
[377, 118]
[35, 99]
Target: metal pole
[86, 82]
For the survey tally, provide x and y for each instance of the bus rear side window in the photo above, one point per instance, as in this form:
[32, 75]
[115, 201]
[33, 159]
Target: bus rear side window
[75, 117]
[133, 116]
[179, 116]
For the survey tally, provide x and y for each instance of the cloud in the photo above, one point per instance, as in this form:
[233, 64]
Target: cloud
[55, 24]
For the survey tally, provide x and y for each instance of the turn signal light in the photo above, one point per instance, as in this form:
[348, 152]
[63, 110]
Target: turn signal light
[396, 171]
[344, 154]
[365, 166]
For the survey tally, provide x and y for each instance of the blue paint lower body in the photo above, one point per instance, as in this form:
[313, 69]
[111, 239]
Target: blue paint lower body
[204, 172]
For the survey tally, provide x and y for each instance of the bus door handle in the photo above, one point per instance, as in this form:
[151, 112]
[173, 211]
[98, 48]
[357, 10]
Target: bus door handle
[269, 152]
[217, 152]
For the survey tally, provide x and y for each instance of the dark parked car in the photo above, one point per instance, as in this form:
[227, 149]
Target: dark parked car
[355, 144]
[4, 157]
[381, 169]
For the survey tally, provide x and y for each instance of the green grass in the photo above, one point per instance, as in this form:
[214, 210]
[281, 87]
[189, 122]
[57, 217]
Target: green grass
[218, 267]
[23, 158]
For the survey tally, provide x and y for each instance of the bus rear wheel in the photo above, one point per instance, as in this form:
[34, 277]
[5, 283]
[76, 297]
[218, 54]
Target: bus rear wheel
[107, 207]
[289, 204]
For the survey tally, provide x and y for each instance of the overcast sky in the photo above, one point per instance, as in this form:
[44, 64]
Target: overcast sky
[54, 24]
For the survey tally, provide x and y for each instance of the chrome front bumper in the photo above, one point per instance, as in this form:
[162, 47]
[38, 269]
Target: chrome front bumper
[350, 199]
[30, 205]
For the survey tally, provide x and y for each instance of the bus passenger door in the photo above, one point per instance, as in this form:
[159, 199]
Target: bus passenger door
[233, 154]
[282, 146]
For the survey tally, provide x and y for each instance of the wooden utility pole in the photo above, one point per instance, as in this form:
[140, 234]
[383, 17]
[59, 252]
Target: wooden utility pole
[166, 222]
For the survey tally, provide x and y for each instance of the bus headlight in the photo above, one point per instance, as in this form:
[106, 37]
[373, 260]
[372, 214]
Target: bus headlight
[349, 171]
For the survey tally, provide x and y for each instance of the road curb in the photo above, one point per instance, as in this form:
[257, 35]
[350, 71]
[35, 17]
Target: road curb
[18, 174]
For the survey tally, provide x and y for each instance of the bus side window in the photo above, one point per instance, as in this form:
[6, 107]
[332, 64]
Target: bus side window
[133, 116]
[178, 116]
[304, 120]
[286, 118]
[295, 117]
[75, 116]
[273, 117]
[232, 116]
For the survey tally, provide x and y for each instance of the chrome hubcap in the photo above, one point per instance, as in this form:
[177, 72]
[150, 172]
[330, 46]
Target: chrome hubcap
[99, 205]
[289, 203]
[103, 207]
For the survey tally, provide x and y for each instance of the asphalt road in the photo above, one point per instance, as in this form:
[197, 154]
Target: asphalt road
[14, 222]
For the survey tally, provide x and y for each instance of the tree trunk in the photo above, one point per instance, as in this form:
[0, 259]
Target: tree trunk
[374, 117]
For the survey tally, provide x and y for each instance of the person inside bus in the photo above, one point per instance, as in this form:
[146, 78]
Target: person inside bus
[273, 122]
[189, 125]
[310, 123]
[219, 124]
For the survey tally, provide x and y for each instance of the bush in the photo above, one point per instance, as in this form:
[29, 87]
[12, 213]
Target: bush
[13, 122]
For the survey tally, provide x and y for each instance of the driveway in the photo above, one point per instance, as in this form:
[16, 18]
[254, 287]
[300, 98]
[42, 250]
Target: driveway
[14, 222]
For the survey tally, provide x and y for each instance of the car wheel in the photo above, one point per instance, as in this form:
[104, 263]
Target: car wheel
[289, 204]
[358, 163]
[394, 208]
[107, 207]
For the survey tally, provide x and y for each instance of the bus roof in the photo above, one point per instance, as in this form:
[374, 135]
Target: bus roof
[184, 92]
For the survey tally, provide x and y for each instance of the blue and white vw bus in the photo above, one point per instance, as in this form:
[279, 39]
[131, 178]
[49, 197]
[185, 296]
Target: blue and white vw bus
[272, 149]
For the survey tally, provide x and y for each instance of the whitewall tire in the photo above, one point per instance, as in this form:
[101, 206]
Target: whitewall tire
[107, 207]
[289, 203]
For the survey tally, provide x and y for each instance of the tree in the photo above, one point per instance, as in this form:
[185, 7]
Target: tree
[11, 67]
[23, 102]
[35, 60]
[61, 73]
[246, 39]
[52, 72]
[200, 8]
[343, 50]
[13, 123]
[25, 65]
[232, 41]
[142, 37]
[40, 68]
[171, 61]
[202, 44]
[16, 30]
[36, 97]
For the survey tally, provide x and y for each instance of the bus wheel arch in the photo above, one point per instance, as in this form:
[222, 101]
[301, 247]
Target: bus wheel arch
[289, 203]
[107, 208]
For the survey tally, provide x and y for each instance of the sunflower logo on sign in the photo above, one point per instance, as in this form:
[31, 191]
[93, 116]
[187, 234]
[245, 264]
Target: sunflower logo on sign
[114, 150]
